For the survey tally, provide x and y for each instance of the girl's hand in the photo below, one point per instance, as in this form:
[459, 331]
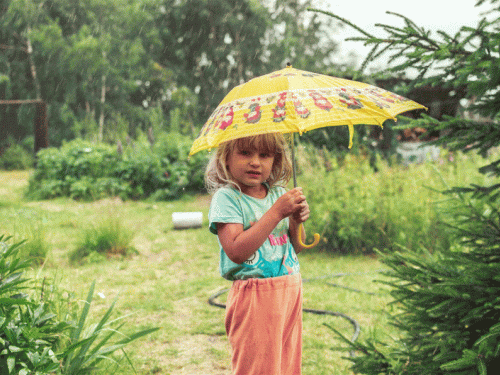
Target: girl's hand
[291, 203]
[302, 214]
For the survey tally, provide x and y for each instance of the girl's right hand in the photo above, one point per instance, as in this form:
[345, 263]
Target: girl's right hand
[290, 202]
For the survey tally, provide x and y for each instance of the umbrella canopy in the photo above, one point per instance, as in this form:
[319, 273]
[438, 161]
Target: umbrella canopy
[292, 100]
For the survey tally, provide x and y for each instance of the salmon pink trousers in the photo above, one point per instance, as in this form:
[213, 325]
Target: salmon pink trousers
[264, 325]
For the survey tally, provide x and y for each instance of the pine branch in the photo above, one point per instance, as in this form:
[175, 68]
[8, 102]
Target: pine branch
[342, 20]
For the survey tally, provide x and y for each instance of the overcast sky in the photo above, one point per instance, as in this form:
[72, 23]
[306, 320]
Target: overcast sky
[445, 15]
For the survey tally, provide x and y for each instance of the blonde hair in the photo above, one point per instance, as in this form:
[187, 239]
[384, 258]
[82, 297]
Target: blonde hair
[217, 174]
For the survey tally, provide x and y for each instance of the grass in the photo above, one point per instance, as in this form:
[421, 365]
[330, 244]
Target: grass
[167, 283]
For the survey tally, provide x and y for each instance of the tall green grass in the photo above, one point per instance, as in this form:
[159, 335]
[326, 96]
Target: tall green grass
[357, 210]
[108, 238]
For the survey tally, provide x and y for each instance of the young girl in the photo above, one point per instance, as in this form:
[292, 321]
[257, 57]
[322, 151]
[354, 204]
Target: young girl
[256, 221]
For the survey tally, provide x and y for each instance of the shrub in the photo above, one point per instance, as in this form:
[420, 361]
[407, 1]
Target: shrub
[448, 302]
[86, 171]
[16, 157]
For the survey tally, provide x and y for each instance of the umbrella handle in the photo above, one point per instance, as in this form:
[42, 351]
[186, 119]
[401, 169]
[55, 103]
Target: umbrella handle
[315, 242]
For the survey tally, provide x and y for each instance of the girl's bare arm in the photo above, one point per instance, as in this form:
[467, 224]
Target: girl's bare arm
[240, 244]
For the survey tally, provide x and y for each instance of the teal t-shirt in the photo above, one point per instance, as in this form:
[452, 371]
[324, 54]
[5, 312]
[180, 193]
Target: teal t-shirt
[276, 257]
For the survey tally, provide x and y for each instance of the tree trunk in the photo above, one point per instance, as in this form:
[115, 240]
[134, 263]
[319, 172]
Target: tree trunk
[101, 115]
[29, 51]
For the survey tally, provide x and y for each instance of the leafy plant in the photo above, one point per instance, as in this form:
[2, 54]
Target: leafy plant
[448, 302]
[86, 171]
[36, 340]
[87, 345]
[28, 331]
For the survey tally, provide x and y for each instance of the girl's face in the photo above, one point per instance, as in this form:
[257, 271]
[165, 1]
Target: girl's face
[249, 168]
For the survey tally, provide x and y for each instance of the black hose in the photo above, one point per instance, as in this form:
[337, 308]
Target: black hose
[355, 324]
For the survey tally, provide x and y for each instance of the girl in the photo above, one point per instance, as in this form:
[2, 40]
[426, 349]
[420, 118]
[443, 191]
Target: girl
[256, 222]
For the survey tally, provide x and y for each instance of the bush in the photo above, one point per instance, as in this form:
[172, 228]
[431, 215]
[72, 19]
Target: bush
[86, 171]
[448, 302]
[15, 157]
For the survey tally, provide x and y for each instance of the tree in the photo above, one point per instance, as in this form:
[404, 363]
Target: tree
[105, 68]
[449, 306]
[87, 59]
[213, 46]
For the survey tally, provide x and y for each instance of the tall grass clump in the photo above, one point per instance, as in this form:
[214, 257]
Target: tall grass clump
[107, 239]
[32, 227]
[37, 246]
[357, 210]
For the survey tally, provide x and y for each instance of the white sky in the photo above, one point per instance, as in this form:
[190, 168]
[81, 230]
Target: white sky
[446, 15]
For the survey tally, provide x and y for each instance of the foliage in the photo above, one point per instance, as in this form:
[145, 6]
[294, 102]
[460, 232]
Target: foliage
[86, 170]
[449, 303]
[15, 156]
[28, 330]
[35, 340]
[215, 45]
[107, 67]
[362, 211]
[88, 345]
[107, 239]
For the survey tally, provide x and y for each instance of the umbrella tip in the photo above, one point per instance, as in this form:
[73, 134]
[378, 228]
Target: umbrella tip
[289, 64]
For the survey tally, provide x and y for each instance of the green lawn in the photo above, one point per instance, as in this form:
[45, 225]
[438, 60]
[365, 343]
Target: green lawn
[168, 283]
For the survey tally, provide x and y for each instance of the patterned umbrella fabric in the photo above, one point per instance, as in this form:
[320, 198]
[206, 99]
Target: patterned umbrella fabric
[293, 100]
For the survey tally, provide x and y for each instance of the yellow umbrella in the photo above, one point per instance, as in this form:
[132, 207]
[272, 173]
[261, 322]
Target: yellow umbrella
[292, 100]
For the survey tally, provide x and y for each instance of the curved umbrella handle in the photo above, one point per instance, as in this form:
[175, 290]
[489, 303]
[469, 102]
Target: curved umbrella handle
[315, 242]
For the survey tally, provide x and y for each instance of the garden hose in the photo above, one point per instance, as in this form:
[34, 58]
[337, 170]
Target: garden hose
[357, 328]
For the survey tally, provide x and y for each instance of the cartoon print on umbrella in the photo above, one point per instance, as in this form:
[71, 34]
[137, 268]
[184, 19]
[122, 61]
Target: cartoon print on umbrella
[226, 119]
[398, 98]
[301, 110]
[253, 116]
[380, 100]
[320, 101]
[309, 75]
[211, 123]
[349, 100]
[280, 110]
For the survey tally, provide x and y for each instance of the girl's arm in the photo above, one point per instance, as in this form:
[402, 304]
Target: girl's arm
[240, 244]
